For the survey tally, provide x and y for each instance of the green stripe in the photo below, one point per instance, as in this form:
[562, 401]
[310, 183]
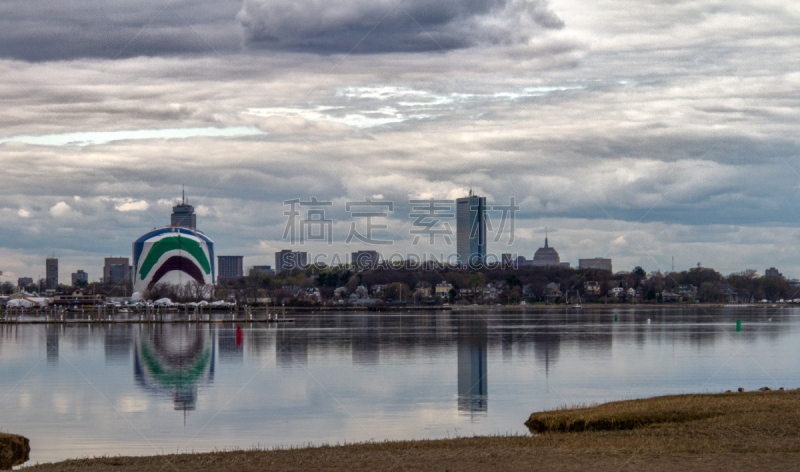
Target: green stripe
[169, 244]
[169, 378]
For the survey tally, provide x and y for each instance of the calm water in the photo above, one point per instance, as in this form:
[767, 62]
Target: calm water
[80, 391]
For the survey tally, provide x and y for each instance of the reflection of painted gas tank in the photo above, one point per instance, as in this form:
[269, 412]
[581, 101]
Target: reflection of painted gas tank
[174, 359]
[173, 255]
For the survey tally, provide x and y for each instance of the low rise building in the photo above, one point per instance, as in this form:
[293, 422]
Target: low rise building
[595, 263]
[773, 272]
[230, 267]
[365, 259]
[80, 279]
[116, 270]
[23, 282]
[443, 289]
[591, 287]
[263, 269]
[553, 290]
[77, 298]
[378, 289]
[288, 260]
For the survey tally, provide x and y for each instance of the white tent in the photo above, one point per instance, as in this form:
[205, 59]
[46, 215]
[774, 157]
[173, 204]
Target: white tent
[137, 296]
[163, 302]
[20, 303]
[202, 303]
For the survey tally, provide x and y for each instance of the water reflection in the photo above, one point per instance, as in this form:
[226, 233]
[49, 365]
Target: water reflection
[52, 335]
[357, 376]
[473, 393]
[291, 348]
[230, 348]
[176, 360]
[118, 343]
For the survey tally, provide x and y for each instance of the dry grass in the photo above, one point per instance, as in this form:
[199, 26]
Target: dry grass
[757, 422]
[736, 431]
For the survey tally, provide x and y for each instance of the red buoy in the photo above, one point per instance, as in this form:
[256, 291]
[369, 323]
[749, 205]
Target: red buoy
[238, 335]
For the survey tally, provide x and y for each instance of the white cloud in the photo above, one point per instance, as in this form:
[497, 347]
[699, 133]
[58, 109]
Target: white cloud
[94, 138]
[132, 205]
[24, 213]
[202, 210]
[60, 209]
[359, 119]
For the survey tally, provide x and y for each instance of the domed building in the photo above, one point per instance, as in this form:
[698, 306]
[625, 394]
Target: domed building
[173, 254]
[546, 256]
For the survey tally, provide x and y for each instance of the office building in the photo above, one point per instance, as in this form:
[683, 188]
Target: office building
[183, 215]
[23, 282]
[116, 270]
[80, 279]
[287, 260]
[366, 259]
[471, 229]
[262, 269]
[230, 267]
[174, 255]
[595, 263]
[51, 274]
[773, 272]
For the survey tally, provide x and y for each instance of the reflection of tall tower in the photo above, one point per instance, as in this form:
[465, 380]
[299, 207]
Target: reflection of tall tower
[546, 345]
[118, 340]
[291, 347]
[366, 341]
[51, 343]
[473, 393]
[174, 360]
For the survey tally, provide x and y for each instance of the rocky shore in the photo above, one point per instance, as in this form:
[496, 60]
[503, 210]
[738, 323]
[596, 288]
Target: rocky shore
[14, 450]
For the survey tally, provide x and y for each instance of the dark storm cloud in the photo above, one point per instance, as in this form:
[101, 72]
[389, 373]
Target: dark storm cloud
[38, 30]
[375, 26]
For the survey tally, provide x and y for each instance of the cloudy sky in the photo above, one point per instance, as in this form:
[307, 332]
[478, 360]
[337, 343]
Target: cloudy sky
[633, 131]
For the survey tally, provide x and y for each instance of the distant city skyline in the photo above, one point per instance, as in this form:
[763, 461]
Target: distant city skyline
[118, 269]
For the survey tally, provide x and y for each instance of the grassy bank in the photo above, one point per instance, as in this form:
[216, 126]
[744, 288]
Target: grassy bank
[733, 431]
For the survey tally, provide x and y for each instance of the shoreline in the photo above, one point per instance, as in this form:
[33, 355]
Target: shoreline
[260, 317]
[724, 431]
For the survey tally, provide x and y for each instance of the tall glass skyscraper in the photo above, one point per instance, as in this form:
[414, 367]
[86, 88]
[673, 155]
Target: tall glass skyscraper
[471, 229]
